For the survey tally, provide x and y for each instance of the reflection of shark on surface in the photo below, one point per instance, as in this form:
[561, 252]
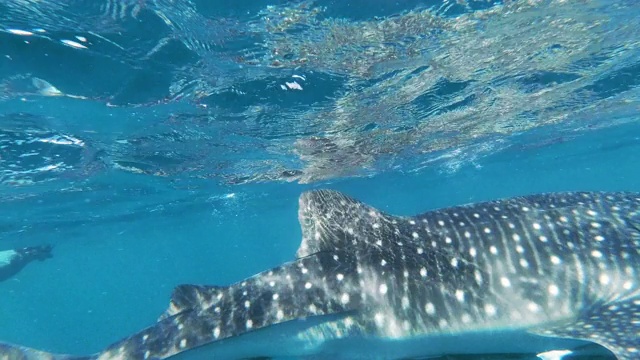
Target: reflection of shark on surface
[530, 274]
[12, 261]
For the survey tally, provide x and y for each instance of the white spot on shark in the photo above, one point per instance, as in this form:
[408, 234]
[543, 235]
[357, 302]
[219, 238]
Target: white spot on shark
[473, 252]
[383, 289]
[490, 309]
[429, 308]
[344, 299]
[405, 303]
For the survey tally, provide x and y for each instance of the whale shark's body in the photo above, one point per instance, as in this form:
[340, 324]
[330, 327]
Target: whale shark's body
[526, 274]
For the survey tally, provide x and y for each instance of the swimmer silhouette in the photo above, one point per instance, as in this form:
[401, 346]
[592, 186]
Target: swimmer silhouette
[12, 261]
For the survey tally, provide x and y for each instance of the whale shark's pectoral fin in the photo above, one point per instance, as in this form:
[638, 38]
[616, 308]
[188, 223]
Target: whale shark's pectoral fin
[16, 352]
[189, 297]
[614, 325]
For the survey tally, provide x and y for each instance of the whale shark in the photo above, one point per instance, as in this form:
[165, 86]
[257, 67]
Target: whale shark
[552, 273]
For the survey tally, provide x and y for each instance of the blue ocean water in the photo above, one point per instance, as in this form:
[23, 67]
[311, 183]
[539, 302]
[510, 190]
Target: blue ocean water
[156, 143]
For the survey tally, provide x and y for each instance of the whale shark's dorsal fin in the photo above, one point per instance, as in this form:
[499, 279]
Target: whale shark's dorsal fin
[333, 221]
[189, 297]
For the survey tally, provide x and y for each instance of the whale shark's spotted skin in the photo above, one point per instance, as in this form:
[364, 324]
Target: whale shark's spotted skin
[561, 265]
